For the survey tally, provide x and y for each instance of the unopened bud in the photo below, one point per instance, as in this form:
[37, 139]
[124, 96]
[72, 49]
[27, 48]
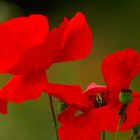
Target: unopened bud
[125, 96]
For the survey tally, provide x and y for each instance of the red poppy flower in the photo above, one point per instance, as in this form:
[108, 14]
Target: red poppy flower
[103, 101]
[28, 48]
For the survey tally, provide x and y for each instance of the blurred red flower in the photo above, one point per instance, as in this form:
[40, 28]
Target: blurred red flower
[101, 102]
[28, 48]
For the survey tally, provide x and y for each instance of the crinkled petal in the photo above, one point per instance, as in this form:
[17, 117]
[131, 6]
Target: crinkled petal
[82, 127]
[77, 39]
[18, 35]
[119, 69]
[69, 94]
[24, 87]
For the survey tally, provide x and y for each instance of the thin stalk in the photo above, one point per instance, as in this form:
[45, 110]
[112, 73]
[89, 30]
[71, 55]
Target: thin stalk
[118, 127]
[103, 135]
[53, 115]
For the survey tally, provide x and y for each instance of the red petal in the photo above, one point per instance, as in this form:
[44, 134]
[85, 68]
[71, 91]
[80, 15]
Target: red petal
[110, 121]
[17, 36]
[119, 69]
[83, 127]
[138, 67]
[25, 87]
[136, 95]
[93, 86]
[69, 94]
[67, 114]
[43, 55]
[77, 39]
[3, 106]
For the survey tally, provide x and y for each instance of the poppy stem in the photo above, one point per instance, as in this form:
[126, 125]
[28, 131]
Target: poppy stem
[103, 135]
[53, 115]
[118, 127]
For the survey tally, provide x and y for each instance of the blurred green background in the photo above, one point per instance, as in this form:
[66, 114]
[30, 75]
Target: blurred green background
[115, 25]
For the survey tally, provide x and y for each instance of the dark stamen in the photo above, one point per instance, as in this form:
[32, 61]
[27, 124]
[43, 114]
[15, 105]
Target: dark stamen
[98, 97]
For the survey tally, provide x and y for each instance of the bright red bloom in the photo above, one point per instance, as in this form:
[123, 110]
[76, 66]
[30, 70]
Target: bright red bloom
[118, 70]
[29, 36]
[28, 48]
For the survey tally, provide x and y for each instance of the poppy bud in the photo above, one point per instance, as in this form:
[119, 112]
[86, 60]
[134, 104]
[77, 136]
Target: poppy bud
[125, 96]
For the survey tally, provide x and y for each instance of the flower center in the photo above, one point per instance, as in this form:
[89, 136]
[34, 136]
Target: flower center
[98, 97]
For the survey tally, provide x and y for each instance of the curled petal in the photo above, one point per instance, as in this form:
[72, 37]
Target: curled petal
[82, 127]
[93, 86]
[119, 69]
[76, 39]
[69, 94]
[17, 36]
[24, 87]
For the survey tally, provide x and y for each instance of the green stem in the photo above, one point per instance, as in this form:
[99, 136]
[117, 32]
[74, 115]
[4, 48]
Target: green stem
[118, 127]
[53, 115]
[103, 135]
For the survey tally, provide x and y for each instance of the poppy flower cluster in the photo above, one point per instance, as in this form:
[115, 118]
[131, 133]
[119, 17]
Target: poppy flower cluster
[103, 107]
[28, 48]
